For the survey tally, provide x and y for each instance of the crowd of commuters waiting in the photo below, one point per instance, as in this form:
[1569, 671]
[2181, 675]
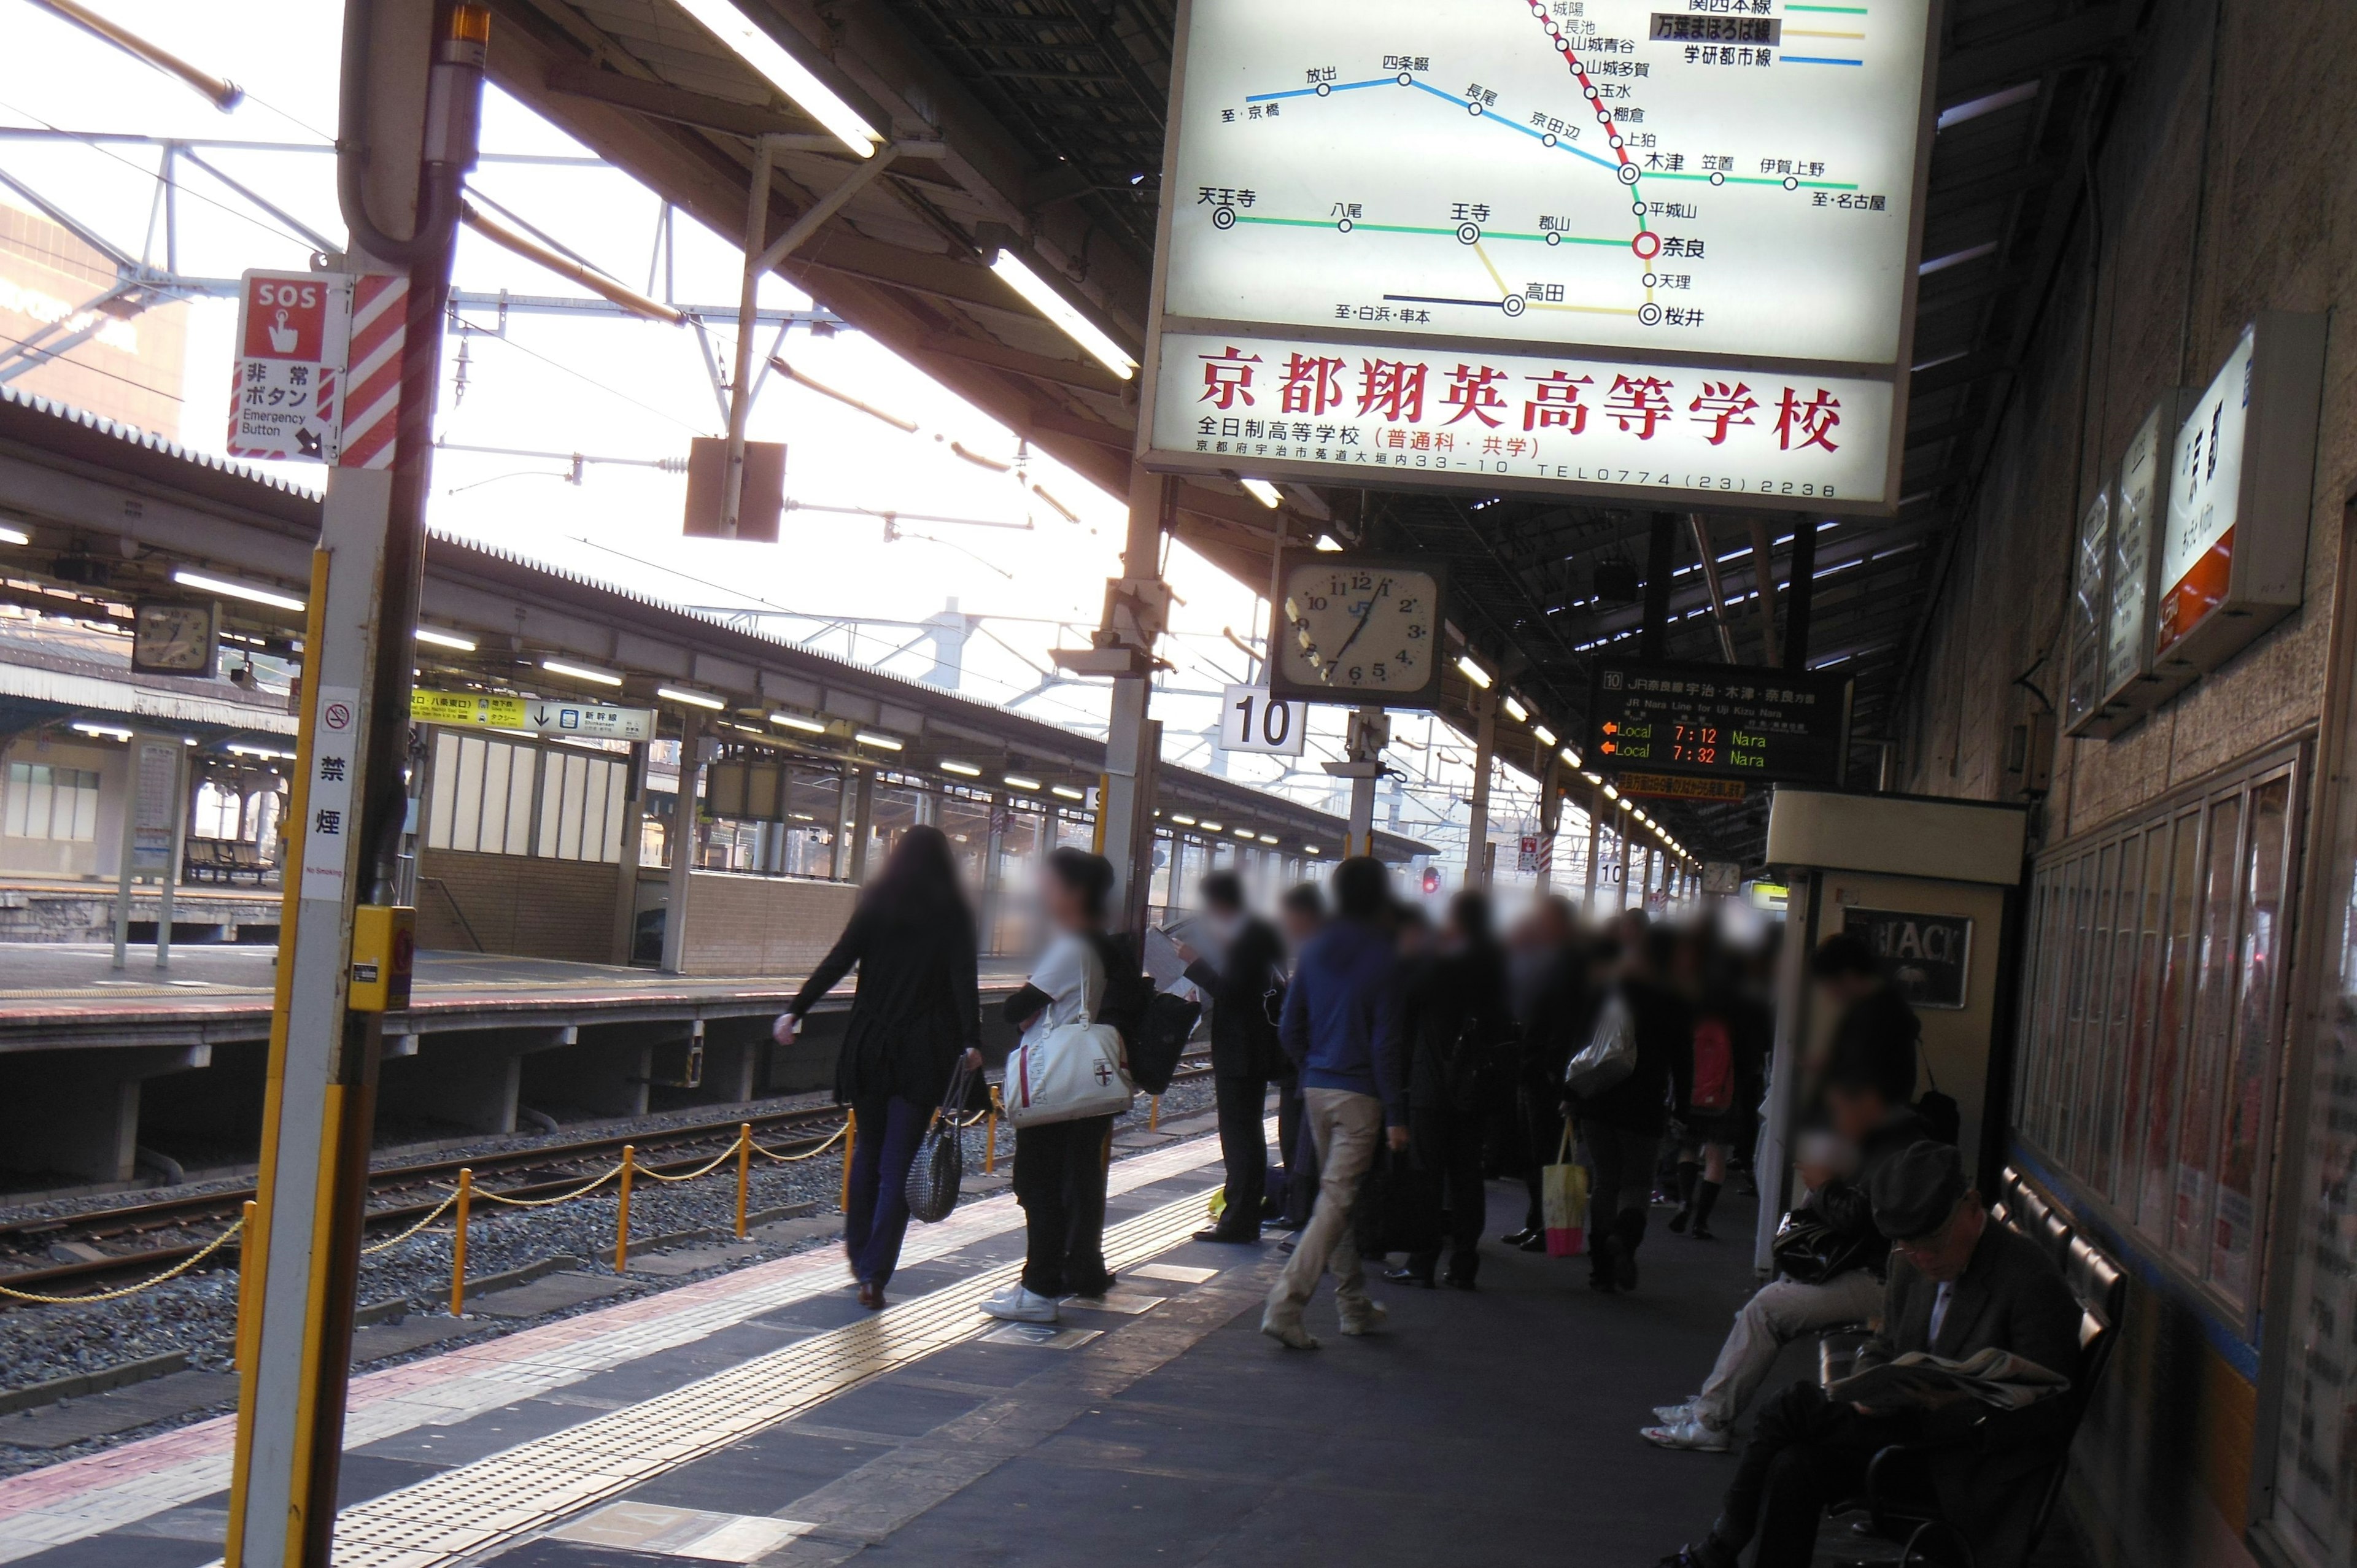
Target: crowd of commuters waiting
[1413, 1060]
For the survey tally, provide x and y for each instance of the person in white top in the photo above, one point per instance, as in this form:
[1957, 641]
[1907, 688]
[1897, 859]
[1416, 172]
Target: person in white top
[1060, 1168]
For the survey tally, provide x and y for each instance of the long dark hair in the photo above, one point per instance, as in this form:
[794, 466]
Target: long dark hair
[920, 877]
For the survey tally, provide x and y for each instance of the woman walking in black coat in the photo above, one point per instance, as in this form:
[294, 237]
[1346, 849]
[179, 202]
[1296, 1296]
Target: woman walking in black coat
[917, 1009]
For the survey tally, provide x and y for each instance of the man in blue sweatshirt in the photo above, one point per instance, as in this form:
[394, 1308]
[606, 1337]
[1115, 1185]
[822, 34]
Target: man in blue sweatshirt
[1341, 1028]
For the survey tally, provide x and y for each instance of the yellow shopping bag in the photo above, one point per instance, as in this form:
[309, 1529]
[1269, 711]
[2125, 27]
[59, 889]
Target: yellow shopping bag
[1563, 1198]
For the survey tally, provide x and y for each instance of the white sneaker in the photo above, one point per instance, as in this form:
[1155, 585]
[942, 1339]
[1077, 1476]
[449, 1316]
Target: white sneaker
[1689, 1433]
[1020, 1306]
[1671, 1414]
[1366, 1320]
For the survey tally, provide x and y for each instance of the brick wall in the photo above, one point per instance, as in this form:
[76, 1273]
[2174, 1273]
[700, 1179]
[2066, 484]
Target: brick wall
[762, 924]
[517, 904]
[2211, 212]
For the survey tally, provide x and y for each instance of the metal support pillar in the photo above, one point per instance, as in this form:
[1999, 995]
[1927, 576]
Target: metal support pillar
[1710, 553]
[1133, 623]
[685, 818]
[1485, 761]
[1801, 591]
[411, 94]
[1763, 578]
[1661, 565]
[863, 823]
[1369, 732]
[994, 870]
[1645, 897]
[1595, 830]
[1550, 817]
[626, 886]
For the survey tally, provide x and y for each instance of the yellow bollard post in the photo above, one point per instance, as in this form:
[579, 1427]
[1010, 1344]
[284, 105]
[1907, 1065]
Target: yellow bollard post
[990, 1135]
[850, 1140]
[458, 1242]
[744, 1172]
[622, 1224]
[246, 1285]
[1154, 1114]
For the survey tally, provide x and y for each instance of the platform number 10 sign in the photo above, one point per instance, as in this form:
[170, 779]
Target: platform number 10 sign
[1250, 721]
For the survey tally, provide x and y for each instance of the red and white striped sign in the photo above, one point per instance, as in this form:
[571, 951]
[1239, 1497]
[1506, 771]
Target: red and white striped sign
[373, 381]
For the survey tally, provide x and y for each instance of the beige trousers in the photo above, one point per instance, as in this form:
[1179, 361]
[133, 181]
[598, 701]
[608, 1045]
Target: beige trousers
[1346, 1127]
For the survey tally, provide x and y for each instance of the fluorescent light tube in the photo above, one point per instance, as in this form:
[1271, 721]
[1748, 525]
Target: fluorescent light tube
[756, 48]
[446, 639]
[795, 721]
[581, 672]
[1053, 304]
[235, 590]
[704, 700]
[1260, 490]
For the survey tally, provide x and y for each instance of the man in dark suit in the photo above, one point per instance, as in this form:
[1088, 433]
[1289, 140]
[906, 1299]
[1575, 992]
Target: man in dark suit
[1243, 987]
[1959, 1283]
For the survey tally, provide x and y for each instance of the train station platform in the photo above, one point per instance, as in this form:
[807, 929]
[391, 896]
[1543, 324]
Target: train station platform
[759, 1416]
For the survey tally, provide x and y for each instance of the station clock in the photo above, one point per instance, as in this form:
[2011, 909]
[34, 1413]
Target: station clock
[1358, 627]
[173, 640]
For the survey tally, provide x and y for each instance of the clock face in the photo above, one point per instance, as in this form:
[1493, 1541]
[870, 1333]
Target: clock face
[1359, 626]
[173, 640]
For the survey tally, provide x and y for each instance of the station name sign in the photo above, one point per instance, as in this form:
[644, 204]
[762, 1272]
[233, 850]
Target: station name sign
[532, 715]
[1720, 721]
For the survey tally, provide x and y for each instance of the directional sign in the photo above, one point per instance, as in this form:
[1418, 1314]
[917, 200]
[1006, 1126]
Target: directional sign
[1720, 721]
[534, 715]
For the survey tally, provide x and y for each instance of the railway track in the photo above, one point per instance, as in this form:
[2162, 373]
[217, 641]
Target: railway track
[688, 1145]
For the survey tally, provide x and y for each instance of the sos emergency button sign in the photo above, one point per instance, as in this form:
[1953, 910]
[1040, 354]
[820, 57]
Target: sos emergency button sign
[292, 333]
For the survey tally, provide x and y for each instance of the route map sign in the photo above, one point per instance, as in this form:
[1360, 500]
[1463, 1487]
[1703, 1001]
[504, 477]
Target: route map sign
[1720, 721]
[1610, 246]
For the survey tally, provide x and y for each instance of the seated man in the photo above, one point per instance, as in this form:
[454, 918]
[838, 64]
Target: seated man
[1866, 1100]
[1959, 1284]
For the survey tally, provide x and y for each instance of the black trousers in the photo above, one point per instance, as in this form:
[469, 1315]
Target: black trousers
[1299, 1152]
[1806, 1454]
[1621, 1190]
[1059, 1180]
[1243, 1105]
[1444, 1144]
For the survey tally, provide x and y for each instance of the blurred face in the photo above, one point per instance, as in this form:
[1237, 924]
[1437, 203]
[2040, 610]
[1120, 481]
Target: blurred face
[1298, 927]
[1856, 1111]
[1062, 903]
[1842, 990]
[1415, 940]
[1946, 1252]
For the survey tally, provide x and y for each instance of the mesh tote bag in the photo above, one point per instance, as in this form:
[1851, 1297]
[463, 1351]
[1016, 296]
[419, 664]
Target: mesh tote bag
[933, 1176]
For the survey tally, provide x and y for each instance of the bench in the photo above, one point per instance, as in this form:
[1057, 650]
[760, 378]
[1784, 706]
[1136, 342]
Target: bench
[222, 860]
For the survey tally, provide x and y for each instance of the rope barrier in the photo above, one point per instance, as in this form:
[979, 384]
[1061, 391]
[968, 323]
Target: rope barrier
[582, 1191]
[385, 1246]
[175, 1272]
[832, 1139]
[718, 1161]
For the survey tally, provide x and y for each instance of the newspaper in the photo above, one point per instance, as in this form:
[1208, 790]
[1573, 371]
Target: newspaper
[1918, 1379]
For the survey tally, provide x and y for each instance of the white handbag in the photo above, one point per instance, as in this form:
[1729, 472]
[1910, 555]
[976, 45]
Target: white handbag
[1070, 1071]
[1609, 1056]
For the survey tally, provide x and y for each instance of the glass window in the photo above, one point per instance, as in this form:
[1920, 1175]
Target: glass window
[2100, 1147]
[2079, 1080]
[2248, 1082]
[2134, 1082]
[2170, 1031]
[2213, 1013]
[47, 802]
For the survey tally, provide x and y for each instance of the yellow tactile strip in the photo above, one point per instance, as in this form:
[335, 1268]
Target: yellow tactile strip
[476, 1507]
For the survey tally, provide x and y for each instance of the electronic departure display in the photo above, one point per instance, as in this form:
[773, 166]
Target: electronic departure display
[1720, 721]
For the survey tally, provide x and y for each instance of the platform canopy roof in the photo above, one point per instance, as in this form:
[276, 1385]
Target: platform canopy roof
[1053, 116]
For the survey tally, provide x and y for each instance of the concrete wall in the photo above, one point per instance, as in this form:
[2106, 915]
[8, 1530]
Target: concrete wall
[517, 904]
[2223, 191]
[762, 924]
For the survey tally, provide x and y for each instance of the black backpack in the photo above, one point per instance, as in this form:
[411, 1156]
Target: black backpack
[1154, 1026]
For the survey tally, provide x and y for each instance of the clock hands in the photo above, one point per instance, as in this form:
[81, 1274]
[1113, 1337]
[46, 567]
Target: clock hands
[1364, 616]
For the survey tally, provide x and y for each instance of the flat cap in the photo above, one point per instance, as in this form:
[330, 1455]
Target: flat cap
[1915, 1190]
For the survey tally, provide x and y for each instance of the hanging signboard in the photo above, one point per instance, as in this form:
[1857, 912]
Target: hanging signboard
[1678, 787]
[292, 333]
[532, 715]
[1928, 957]
[2091, 565]
[2141, 502]
[2235, 548]
[1603, 249]
[1718, 721]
